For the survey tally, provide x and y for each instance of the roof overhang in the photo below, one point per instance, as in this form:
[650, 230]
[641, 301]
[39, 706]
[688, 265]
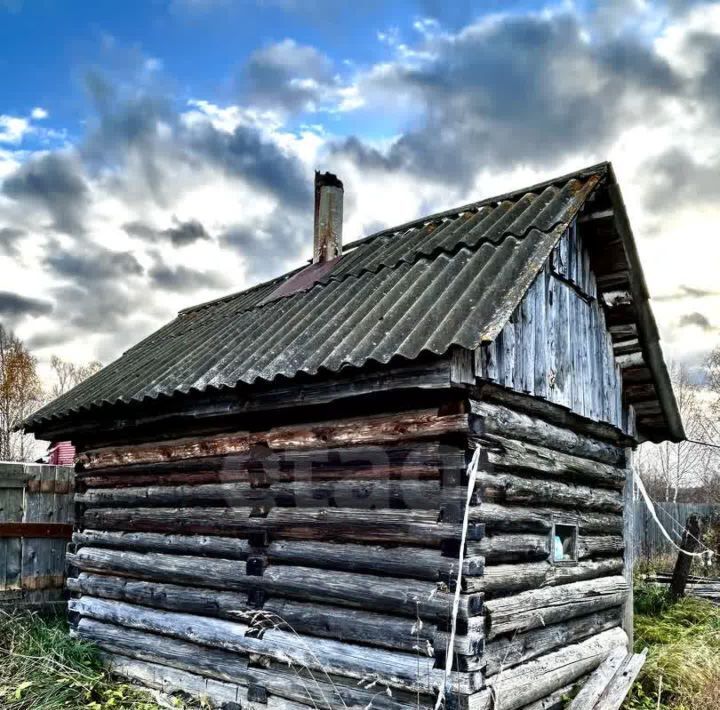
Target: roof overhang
[636, 340]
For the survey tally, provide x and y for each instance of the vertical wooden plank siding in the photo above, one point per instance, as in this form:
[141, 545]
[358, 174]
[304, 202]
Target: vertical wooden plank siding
[557, 345]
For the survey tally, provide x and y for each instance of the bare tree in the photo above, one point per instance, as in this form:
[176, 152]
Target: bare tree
[69, 374]
[668, 467]
[20, 393]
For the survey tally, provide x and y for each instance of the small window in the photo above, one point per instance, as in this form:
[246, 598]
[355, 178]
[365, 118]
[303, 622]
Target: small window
[563, 544]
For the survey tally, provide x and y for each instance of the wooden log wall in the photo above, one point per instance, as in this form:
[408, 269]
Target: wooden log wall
[306, 565]
[546, 624]
[315, 565]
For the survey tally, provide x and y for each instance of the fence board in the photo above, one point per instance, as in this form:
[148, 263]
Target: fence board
[36, 516]
[649, 540]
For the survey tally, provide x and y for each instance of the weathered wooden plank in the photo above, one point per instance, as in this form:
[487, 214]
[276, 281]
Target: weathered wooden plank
[398, 561]
[232, 668]
[505, 579]
[507, 488]
[399, 596]
[591, 691]
[354, 493]
[616, 691]
[542, 607]
[375, 429]
[507, 454]
[409, 527]
[506, 518]
[408, 671]
[520, 647]
[412, 460]
[537, 679]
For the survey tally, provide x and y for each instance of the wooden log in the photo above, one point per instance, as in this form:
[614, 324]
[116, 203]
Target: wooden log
[590, 693]
[507, 488]
[508, 651]
[410, 672]
[511, 547]
[407, 597]
[171, 680]
[552, 413]
[418, 563]
[537, 679]
[410, 460]
[356, 493]
[230, 667]
[542, 607]
[521, 547]
[518, 456]
[371, 628]
[506, 518]
[409, 527]
[374, 429]
[511, 424]
[506, 579]
[556, 700]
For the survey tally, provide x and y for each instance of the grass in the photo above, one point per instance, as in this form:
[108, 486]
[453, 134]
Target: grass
[682, 671]
[43, 668]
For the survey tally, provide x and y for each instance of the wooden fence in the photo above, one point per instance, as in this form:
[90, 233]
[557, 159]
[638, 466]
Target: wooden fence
[36, 522]
[649, 540]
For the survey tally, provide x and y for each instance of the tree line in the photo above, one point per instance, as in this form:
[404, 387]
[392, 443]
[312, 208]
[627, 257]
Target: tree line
[688, 472]
[22, 391]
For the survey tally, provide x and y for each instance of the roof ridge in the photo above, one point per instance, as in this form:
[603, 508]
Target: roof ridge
[601, 167]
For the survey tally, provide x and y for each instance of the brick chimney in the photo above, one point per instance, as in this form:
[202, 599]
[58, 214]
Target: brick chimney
[327, 242]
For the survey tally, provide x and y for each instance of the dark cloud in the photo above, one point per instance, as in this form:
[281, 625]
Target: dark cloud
[696, 319]
[684, 292]
[55, 182]
[521, 90]
[288, 75]
[88, 263]
[14, 306]
[675, 179]
[9, 237]
[185, 280]
[245, 154]
[268, 247]
[182, 233]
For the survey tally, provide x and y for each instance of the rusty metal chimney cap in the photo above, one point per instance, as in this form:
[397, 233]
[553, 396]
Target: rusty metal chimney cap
[327, 180]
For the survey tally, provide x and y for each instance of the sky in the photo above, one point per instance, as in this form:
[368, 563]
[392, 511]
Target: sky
[158, 154]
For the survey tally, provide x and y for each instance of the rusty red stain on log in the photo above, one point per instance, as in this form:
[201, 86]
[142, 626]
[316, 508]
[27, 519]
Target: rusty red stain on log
[59, 531]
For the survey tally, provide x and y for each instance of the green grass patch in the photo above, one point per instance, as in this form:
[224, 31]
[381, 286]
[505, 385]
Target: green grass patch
[43, 668]
[682, 671]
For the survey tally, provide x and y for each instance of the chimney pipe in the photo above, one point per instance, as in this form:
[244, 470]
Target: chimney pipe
[327, 242]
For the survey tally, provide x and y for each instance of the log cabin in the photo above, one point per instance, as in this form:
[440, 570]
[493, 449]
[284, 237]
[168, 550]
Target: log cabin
[396, 477]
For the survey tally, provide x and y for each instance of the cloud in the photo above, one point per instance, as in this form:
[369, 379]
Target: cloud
[695, 319]
[183, 233]
[9, 237]
[14, 306]
[180, 234]
[53, 181]
[527, 89]
[289, 76]
[88, 263]
[687, 292]
[184, 279]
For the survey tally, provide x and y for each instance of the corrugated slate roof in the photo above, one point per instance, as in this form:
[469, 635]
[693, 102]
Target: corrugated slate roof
[451, 279]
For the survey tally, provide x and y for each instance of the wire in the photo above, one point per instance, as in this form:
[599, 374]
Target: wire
[472, 475]
[707, 552]
[703, 443]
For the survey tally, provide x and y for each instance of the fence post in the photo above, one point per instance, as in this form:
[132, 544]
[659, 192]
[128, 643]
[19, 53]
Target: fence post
[690, 543]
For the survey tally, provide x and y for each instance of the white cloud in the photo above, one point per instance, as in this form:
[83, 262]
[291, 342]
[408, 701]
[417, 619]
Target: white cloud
[39, 113]
[13, 128]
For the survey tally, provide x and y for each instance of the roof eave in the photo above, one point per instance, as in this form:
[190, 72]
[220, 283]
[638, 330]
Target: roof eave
[647, 327]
